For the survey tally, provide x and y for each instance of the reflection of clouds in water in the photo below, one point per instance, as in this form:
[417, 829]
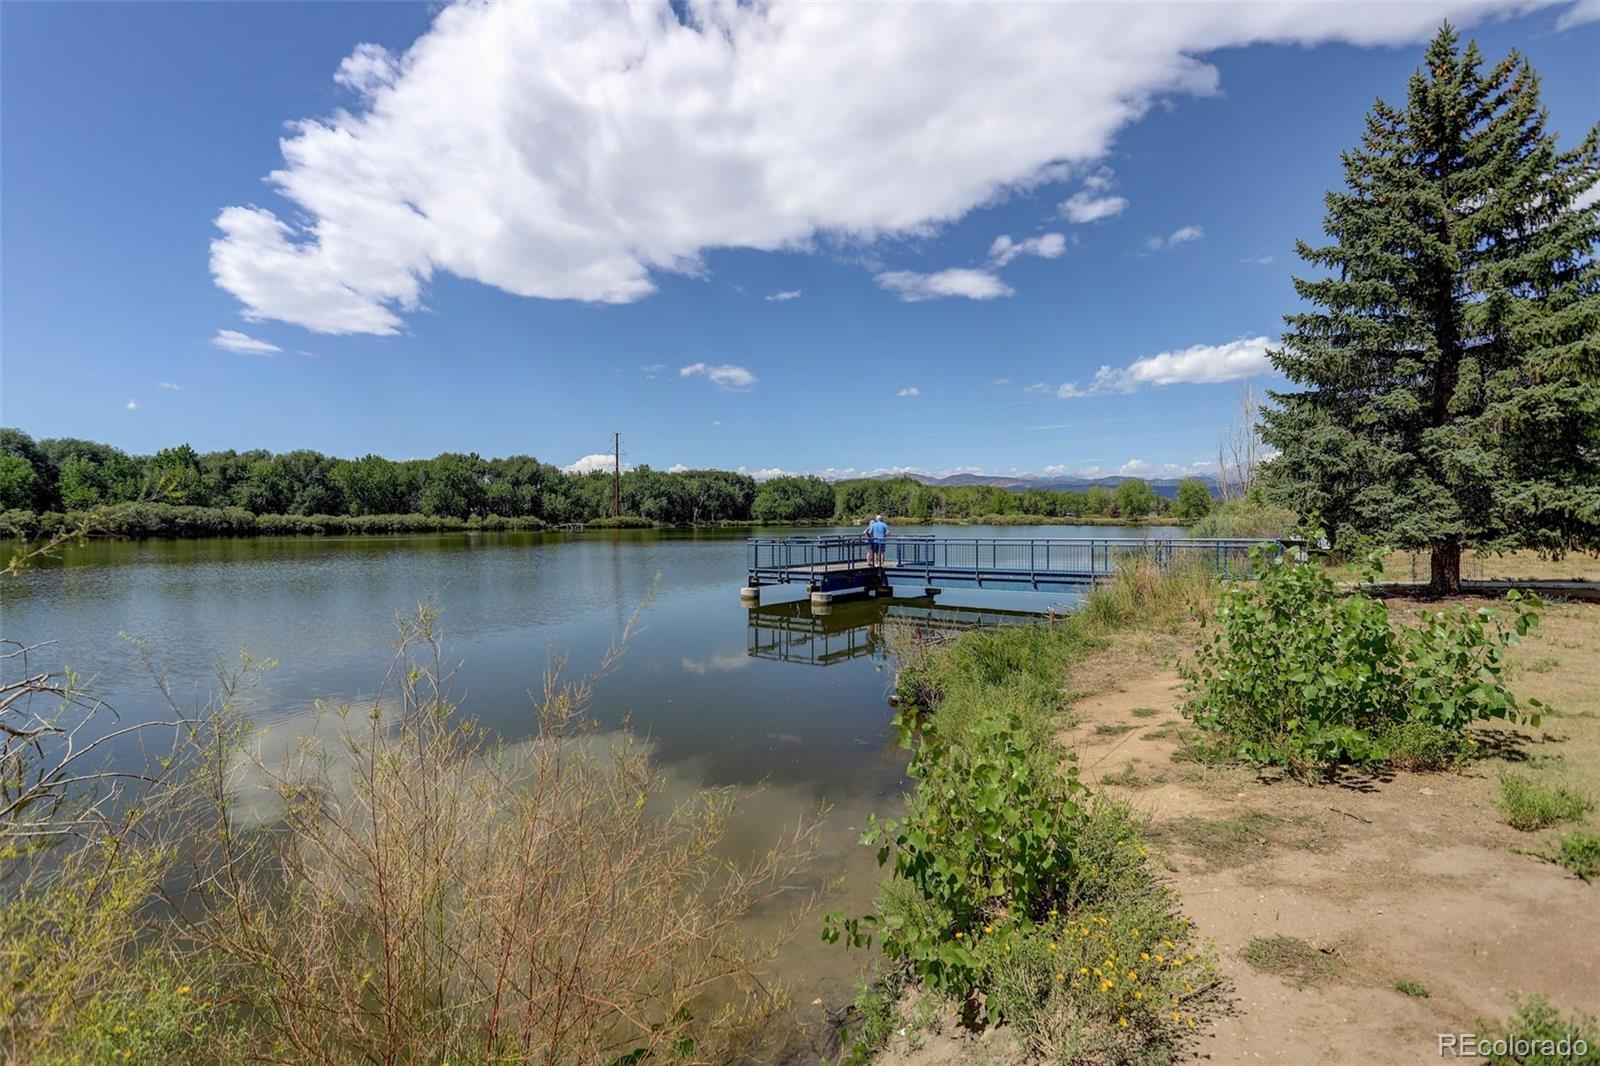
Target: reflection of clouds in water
[323, 740]
[719, 661]
[841, 872]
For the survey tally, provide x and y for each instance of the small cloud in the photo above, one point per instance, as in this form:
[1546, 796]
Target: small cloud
[1000, 382]
[1134, 467]
[1090, 203]
[676, 468]
[1181, 235]
[726, 376]
[133, 405]
[1045, 246]
[1257, 260]
[590, 463]
[652, 369]
[1201, 364]
[912, 287]
[174, 386]
[909, 390]
[783, 297]
[231, 340]
[716, 421]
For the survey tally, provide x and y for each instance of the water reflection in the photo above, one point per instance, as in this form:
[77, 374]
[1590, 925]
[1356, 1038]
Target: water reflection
[825, 636]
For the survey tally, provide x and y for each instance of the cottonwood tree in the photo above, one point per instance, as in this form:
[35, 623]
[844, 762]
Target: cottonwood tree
[1451, 361]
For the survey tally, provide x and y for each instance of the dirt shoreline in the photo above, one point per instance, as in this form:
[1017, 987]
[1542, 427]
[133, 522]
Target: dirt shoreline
[1407, 877]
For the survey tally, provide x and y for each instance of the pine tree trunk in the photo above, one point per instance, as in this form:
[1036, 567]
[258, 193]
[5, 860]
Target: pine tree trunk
[1445, 568]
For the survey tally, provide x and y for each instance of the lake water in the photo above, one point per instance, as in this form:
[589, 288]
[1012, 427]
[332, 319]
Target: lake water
[774, 696]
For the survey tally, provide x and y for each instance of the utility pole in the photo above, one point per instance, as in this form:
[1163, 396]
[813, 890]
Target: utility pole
[616, 475]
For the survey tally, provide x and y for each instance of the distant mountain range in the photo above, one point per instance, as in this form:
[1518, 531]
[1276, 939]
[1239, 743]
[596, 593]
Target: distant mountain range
[1163, 486]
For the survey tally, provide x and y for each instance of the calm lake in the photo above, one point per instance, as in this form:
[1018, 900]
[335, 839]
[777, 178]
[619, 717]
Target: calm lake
[770, 697]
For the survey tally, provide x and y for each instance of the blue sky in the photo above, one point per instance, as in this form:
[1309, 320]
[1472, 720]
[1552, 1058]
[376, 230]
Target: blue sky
[517, 229]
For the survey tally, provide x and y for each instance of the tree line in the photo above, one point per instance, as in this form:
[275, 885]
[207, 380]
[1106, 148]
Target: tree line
[67, 474]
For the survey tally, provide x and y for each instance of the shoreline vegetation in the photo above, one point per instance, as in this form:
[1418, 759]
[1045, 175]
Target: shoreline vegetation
[230, 493]
[164, 520]
[1051, 960]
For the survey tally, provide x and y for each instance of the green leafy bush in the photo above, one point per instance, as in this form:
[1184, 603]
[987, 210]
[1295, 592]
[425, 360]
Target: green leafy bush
[1528, 805]
[1291, 672]
[1538, 1035]
[1580, 852]
[1013, 892]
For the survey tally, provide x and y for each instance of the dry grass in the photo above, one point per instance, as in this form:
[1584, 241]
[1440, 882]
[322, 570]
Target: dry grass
[1484, 566]
[1245, 838]
[1292, 959]
[427, 893]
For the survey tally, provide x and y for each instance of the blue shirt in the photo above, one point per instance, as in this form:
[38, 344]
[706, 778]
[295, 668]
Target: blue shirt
[877, 530]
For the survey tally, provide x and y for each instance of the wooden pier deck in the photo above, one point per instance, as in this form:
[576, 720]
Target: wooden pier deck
[835, 566]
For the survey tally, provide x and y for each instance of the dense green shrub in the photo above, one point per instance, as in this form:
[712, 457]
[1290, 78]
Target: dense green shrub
[1539, 1035]
[1251, 516]
[1012, 890]
[1579, 852]
[626, 521]
[172, 520]
[1291, 672]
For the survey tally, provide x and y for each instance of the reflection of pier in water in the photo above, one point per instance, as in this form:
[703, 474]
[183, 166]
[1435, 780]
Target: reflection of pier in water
[794, 633]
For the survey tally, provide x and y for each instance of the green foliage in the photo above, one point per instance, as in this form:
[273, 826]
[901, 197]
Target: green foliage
[167, 520]
[1412, 989]
[1194, 500]
[1249, 516]
[1290, 672]
[988, 837]
[1579, 852]
[18, 482]
[1450, 393]
[791, 499]
[626, 521]
[1134, 498]
[150, 1016]
[1012, 890]
[1528, 805]
[1547, 1037]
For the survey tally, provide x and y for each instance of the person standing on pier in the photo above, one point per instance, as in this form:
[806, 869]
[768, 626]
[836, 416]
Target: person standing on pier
[877, 532]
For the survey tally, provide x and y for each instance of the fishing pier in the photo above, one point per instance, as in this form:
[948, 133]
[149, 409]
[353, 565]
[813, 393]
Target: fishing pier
[833, 566]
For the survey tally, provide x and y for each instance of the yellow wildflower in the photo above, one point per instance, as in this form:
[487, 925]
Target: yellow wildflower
[1061, 977]
[1122, 1022]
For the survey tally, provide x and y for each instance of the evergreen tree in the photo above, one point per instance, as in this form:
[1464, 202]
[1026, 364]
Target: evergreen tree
[1451, 366]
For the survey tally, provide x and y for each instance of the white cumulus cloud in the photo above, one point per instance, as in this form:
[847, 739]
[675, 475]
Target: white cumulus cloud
[173, 385]
[133, 405]
[590, 463]
[725, 376]
[1201, 364]
[913, 287]
[232, 340]
[574, 151]
[909, 390]
[783, 297]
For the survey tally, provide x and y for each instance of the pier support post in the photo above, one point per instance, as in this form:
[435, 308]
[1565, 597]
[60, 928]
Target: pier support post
[750, 594]
[822, 599]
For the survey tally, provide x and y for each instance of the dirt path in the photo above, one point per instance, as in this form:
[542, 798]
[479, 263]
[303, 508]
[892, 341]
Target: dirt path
[1411, 878]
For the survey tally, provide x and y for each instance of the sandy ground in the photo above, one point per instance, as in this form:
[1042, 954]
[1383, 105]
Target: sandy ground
[1412, 877]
